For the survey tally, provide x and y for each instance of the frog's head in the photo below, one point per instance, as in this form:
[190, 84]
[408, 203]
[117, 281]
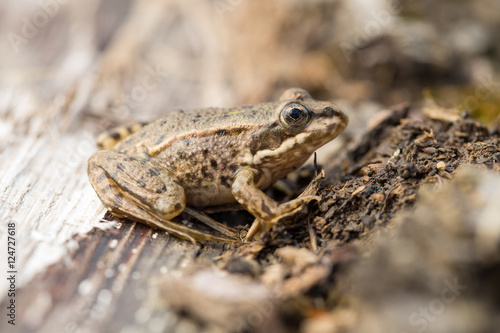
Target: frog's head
[300, 126]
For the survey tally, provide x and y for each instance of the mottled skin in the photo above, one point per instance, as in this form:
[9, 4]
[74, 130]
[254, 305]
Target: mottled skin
[210, 157]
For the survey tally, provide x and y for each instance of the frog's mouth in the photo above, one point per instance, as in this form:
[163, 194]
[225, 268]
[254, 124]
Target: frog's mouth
[300, 146]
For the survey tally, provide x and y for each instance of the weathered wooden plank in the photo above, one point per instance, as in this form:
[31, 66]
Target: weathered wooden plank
[111, 281]
[44, 191]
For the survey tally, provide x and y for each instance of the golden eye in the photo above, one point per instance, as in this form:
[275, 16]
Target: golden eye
[295, 114]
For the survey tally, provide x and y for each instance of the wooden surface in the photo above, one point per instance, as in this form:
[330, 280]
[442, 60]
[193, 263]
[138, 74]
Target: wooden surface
[43, 188]
[104, 282]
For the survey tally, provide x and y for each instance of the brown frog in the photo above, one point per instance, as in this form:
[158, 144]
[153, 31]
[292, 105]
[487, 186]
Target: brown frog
[150, 172]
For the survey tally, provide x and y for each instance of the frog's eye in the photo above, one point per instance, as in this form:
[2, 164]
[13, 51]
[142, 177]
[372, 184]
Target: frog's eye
[295, 114]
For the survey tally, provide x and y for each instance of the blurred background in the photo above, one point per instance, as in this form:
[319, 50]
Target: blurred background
[124, 60]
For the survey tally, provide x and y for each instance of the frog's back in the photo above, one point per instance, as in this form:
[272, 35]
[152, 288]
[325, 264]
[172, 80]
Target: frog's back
[197, 122]
[203, 148]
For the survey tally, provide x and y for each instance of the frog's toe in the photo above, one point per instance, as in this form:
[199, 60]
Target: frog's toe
[309, 198]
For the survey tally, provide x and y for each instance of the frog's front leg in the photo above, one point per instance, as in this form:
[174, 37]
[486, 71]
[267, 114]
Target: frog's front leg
[258, 203]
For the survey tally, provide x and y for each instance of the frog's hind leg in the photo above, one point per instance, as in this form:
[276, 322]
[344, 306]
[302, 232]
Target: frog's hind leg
[107, 140]
[136, 188]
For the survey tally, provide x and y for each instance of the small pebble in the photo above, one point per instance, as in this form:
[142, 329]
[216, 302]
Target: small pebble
[441, 166]
[377, 196]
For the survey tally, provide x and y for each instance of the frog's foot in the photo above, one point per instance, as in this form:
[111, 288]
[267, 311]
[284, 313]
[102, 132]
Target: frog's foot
[258, 226]
[136, 188]
[266, 210]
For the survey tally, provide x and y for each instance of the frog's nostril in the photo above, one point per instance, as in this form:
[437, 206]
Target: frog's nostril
[333, 112]
[328, 111]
